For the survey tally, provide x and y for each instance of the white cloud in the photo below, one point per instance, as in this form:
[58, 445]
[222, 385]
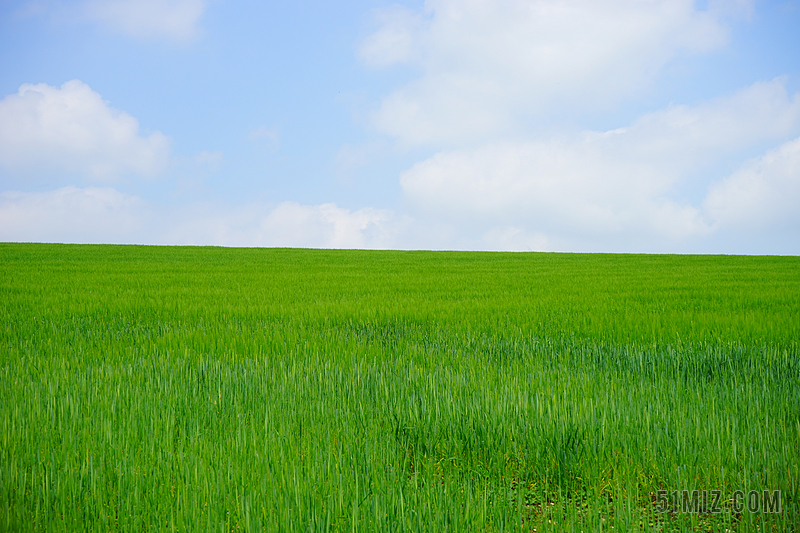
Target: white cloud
[47, 130]
[764, 194]
[287, 225]
[328, 226]
[556, 189]
[681, 137]
[490, 65]
[612, 188]
[105, 215]
[175, 20]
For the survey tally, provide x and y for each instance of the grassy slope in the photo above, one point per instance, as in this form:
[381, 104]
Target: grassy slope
[331, 390]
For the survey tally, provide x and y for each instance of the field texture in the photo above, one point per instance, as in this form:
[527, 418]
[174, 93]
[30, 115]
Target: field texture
[209, 389]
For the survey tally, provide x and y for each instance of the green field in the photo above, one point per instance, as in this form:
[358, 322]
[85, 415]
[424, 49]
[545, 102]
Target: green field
[212, 389]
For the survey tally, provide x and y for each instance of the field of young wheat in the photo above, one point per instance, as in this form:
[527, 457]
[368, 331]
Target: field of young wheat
[213, 389]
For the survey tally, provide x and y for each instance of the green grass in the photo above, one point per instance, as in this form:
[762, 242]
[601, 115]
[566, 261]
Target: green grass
[210, 389]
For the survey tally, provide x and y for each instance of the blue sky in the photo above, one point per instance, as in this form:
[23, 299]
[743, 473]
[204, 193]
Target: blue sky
[622, 126]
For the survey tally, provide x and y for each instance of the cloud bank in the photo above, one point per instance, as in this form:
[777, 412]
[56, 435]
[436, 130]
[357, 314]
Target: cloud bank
[615, 190]
[105, 215]
[46, 131]
[618, 183]
[490, 65]
[763, 195]
[501, 81]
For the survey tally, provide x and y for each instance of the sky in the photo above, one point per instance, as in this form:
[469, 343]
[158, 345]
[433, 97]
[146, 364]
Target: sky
[653, 126]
